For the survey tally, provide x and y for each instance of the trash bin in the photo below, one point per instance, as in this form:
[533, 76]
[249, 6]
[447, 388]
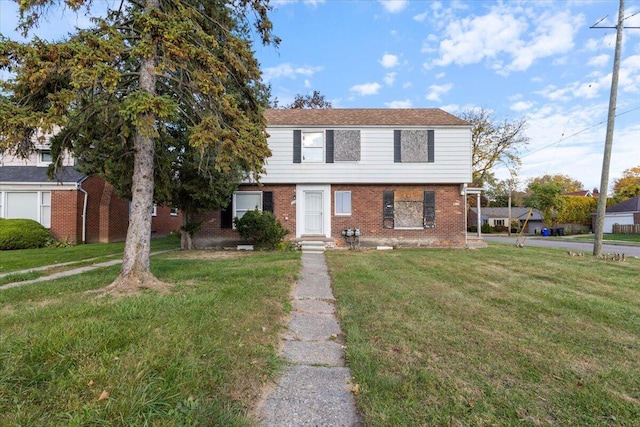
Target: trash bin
[545, 232]
[553, 232]
[561, 231]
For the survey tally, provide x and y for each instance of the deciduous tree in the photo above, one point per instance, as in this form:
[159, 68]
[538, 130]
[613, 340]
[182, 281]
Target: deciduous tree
[628, 185]
[494, 142]
[153, 82]
[565, 183]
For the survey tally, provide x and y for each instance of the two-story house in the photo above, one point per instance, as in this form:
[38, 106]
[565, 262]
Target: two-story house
[398, 176]
[75, 207]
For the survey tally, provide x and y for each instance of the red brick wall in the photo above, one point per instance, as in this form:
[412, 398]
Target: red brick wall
[66, 215]
[366, 203]
[164, 223]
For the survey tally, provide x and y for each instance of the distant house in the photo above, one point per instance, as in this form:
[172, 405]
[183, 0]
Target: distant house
[584, 193]
[500, 217]
[624, 213]
[75, 207]
[399, 176]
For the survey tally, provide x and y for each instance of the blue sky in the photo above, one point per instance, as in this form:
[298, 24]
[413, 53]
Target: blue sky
[533, 59]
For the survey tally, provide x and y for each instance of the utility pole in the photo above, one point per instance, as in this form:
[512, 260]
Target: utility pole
[606, 160]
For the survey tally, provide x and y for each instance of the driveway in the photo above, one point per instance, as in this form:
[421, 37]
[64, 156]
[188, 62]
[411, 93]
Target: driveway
[569, 244]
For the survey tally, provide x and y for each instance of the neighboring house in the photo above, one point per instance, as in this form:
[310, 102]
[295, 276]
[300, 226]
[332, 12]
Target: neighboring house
[584, 193]
[500, 217]
[75, 207]
[397, 175]
[624, 213]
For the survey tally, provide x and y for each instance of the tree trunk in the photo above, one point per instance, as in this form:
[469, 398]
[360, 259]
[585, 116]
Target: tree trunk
[135, 271]
[186, 243]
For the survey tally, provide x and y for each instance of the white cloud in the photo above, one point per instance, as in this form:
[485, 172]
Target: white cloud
[407, 85]
[389, 61]
[599, 60]
[420, 17]
[307, 83]
[400, 104]
[394, 6]
[521, 106]
[435, 91]
[509, 39]
[289, 71]
[390, 78]
[440, 75]
[366, 89]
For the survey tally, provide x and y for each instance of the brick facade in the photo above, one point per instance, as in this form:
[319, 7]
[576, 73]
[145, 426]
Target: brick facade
[107, 215]
[366, 215]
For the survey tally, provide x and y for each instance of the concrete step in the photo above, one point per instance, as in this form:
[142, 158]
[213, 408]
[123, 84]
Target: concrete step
[312, 246]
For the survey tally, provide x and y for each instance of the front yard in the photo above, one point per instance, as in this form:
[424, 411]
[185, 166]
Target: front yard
[498, 336]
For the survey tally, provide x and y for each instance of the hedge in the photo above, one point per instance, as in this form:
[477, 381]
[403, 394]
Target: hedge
[22, 234]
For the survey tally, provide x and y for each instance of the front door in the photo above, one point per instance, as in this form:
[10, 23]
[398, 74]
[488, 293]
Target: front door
[313, 212]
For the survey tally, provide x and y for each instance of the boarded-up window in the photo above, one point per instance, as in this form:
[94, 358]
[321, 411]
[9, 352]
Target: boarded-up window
[408, 209]
[346, 145]
[413, 146]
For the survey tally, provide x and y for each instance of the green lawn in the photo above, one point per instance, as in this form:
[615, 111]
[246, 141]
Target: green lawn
[31, 258]
[498, 336]
[197, 355]
[609, 238]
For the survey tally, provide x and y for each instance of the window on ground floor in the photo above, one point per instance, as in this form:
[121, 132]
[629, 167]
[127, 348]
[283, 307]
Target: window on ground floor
[408, 209]
[35, 205]
[343, 203]
[244, 201]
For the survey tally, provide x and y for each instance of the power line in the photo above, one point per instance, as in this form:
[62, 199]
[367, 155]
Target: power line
[576, 133]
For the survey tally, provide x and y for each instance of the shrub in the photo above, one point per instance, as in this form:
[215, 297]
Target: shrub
[486, 229]
[262, 229]
[22, 234]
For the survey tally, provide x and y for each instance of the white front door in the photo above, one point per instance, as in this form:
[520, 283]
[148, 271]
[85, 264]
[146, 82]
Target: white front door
[313, 212]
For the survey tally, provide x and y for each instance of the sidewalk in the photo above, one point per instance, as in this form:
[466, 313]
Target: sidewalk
[315, 387]
[70, 272]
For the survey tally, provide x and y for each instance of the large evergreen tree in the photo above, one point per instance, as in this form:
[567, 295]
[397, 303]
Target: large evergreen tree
[156, 89]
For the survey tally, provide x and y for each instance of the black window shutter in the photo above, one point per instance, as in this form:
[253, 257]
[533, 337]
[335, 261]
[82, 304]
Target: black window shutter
[387, 209]
[397, 154]
[297, 146]
[429, 209]
[430, 146]
[267, 201]
[329, 148]
[226, 215]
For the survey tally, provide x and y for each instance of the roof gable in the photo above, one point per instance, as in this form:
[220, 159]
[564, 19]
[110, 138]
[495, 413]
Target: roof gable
[362, 117]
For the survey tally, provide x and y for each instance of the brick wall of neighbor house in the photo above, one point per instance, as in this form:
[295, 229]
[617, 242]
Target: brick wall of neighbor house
[367, 203]
[66, 215]
[164, 223]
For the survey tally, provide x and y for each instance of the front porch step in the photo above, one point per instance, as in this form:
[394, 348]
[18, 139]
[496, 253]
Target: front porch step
[312, 246]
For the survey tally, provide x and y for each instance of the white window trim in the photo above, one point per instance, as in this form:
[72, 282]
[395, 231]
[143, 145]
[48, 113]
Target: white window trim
[43, 162]
[173, 212]
[335, 202]
[234, 214]
[324, 146]
[39, 214]
[154, 210]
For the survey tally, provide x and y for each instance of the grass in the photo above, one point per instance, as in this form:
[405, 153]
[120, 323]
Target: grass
[198, 355]
[609, 238]
[498, 336]
[32, 258]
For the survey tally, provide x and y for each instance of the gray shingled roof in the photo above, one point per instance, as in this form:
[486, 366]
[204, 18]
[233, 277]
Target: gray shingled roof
[516, 213]
[631, 205]
[360, 117]
[36, 174]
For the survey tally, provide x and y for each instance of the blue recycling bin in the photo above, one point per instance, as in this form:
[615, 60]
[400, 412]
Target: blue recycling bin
[545, 232]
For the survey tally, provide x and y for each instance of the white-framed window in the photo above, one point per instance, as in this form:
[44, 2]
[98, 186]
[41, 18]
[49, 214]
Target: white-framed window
[45, 208]
[343, 203]
[498, 222]
[173, 212]
[35, 205]
[244, 201]
[154, 210]
[44, 157]
[313, 147]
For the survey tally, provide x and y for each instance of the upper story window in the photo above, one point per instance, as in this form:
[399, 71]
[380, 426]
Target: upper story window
[313, 147]
[44, 157]
[413, 146]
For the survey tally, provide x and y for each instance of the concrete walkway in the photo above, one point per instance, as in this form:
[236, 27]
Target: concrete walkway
[315, 387]
[64, 273]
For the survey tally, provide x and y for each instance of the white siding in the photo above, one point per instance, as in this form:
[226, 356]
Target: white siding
[452, 160]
